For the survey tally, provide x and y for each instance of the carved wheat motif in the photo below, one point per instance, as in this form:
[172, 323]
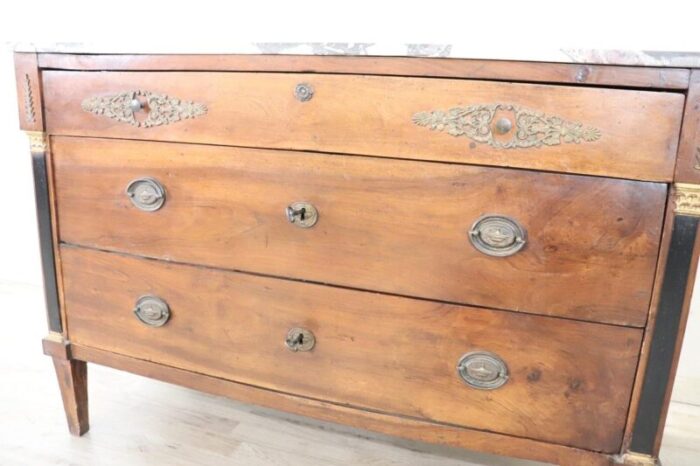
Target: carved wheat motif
[29, 113]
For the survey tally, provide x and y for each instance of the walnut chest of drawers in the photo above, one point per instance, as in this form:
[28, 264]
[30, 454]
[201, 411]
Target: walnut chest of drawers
[491, 255]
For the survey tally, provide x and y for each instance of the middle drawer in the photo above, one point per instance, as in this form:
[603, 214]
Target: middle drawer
[511, 239]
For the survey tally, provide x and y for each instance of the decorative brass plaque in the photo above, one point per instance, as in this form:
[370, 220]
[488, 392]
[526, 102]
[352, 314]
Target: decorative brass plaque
[687, 199]
[160, 108]
[532, 128]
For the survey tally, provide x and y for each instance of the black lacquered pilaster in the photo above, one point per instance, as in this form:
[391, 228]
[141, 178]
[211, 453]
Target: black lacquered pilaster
[668, 320]
[43, 210]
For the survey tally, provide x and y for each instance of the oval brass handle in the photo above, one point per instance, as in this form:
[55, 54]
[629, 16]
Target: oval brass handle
[482, 370]
[302, 214]
[146, 194]
[497, 235]
[300, 339]
[152, 311]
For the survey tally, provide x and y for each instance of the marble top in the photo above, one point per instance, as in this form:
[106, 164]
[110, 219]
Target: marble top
[608, 57]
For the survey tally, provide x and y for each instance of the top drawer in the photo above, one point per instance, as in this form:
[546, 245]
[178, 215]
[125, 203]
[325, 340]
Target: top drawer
[620, 133]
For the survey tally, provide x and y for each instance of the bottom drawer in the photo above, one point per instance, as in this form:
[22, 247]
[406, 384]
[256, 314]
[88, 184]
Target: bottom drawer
[567, 382]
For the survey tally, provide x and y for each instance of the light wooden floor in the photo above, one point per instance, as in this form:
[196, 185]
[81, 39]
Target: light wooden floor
[137, 421]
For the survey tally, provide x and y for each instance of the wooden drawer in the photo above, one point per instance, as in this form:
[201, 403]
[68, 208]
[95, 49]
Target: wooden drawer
[620, 133]
[400, 227]
[568, 382]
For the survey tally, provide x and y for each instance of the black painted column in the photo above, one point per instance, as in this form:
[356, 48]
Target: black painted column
[671, 307]
[43, 210]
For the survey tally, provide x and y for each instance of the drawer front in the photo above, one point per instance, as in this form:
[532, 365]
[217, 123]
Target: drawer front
[567, 382]
[395, 226]
[401, 227]
[620, 133]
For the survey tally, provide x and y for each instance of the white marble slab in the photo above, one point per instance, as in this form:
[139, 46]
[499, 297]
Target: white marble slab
[610, 57]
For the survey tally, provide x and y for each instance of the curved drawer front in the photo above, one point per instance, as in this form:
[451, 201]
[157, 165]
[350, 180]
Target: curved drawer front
[564, 245]
[566, 382]
[619, 133]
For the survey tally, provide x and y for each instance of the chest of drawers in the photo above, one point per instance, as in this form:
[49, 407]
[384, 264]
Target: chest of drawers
[495, 256]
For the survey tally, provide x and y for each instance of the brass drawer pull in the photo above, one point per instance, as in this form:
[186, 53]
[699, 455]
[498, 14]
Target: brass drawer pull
[302, 214]
[146, 194]
[498, 236]
[152, 311]
[482, 370]
[303, 92]
[300, 339]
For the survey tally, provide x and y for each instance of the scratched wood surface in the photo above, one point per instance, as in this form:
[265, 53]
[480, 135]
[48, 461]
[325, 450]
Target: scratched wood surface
[373, 115]
[233, 326]
[395, 226]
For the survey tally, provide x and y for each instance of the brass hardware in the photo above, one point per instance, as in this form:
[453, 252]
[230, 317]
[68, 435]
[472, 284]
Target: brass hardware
[136, 105]
[146, 194]
[29, 113]
[152, 311]
[482, 370]
[162, 109]
[300, 339]
[37, 141]
[303, 92]
[302, 214]
[497, 235]
[687, 199]
[503, 125]
[638, 459]
[532, 128]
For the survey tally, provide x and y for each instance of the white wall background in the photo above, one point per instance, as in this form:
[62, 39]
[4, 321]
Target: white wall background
[513, 26]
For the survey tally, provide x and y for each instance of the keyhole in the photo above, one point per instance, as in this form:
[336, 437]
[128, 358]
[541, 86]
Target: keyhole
[299, 340]
[302, 213]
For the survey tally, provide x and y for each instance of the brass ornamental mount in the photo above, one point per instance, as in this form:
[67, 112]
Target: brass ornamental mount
[146, 194]
[152, 311]
[300, 339]
[160, 109]
[482, 370]
[532, 128]
[37, 141]
[497, 235]
[687, 199]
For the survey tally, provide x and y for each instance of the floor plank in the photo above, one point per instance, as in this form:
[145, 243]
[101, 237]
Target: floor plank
[136, 421]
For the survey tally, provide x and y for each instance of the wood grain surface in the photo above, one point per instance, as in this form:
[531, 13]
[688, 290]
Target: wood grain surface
[688, 164]
[502, 70]
[395, 226]
[372, 115]
[569, 381]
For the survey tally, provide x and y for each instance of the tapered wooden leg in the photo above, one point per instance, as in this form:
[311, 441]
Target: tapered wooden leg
[72, 380]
